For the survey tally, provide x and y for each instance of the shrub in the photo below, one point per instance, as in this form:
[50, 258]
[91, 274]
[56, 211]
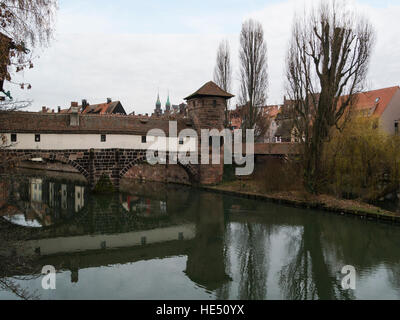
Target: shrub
[362, 161]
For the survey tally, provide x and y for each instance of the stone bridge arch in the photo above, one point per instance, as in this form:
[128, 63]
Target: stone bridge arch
[14, 159]
[189, 169]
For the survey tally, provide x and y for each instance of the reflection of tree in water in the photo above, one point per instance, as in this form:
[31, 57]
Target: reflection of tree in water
[11, 285]
[10, 263]
[223, 292]
[251, 255]
[294, 279]
[253, 264]
[307, 275]
[394, 276]
[365, 245]
[246, 252]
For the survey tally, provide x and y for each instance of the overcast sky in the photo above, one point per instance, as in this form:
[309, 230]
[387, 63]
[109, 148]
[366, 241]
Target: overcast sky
[128, 50]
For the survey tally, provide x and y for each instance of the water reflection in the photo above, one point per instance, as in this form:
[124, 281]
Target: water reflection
[34, 201]
[171, 242]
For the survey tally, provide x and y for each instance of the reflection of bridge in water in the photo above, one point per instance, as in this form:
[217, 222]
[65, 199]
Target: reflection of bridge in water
[155, 222]
[148, 223]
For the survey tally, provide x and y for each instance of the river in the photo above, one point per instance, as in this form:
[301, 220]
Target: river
[154, 241]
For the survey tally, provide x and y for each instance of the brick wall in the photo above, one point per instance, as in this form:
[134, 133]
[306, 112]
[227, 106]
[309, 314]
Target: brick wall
[158, 173]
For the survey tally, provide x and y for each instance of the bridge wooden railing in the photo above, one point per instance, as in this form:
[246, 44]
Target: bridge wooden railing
[275, 148]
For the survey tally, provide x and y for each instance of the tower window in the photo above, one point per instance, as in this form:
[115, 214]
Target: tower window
[103, 138]
[144, 139]
[13, 137]
[37, 137]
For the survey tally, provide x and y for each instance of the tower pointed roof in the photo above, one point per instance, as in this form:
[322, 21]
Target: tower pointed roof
[168, 104]
[158, 103]
[210, 89]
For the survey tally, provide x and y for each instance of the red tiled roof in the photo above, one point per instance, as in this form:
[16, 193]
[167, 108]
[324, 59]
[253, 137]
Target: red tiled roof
[102, 108]
[377, 99]
[210, 89]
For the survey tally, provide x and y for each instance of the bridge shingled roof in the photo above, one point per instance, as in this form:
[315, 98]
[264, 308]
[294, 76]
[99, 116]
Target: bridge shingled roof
[33, 122]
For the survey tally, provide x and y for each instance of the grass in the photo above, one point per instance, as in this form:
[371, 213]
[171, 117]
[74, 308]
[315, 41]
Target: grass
[303, 199]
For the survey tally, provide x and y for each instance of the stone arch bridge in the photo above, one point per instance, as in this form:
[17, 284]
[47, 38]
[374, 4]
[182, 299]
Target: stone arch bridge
[110, 145]
[92, 163]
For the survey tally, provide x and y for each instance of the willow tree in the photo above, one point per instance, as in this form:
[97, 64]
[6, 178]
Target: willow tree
[24, 26]
[327, 63]
[223, 71]
[253, 74]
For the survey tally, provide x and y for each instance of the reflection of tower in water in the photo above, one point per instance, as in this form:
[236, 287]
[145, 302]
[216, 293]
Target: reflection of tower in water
[206, 263]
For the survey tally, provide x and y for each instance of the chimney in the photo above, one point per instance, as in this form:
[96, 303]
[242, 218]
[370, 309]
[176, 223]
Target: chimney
[74, 116]
[109, 100]
[59, 109]
[84, 104]
[44, 109]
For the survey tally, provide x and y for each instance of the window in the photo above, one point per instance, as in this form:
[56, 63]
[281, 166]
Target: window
[214, 103]
[144, 139]
[103, 138]
[396, 128]
[37, 137]
[13, 137]
[181, 141]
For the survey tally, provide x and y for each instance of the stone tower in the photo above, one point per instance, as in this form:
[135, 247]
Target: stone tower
[206, 109]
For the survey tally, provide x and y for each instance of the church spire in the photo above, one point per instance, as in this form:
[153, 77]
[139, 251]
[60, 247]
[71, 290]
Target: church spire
[158, 103]
[158, 110]
[168, 104]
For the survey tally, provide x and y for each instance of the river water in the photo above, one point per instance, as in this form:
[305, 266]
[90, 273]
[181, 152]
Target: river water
[154, 241]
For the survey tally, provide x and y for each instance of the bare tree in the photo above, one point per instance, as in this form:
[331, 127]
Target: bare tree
[327, 63]
[253, 72]
[223, 71]
[23, 24]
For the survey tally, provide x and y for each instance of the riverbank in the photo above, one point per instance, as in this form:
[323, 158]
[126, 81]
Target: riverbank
[304, 200]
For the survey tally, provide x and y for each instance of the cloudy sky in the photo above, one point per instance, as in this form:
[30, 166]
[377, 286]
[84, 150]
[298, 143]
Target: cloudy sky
[130, 49]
